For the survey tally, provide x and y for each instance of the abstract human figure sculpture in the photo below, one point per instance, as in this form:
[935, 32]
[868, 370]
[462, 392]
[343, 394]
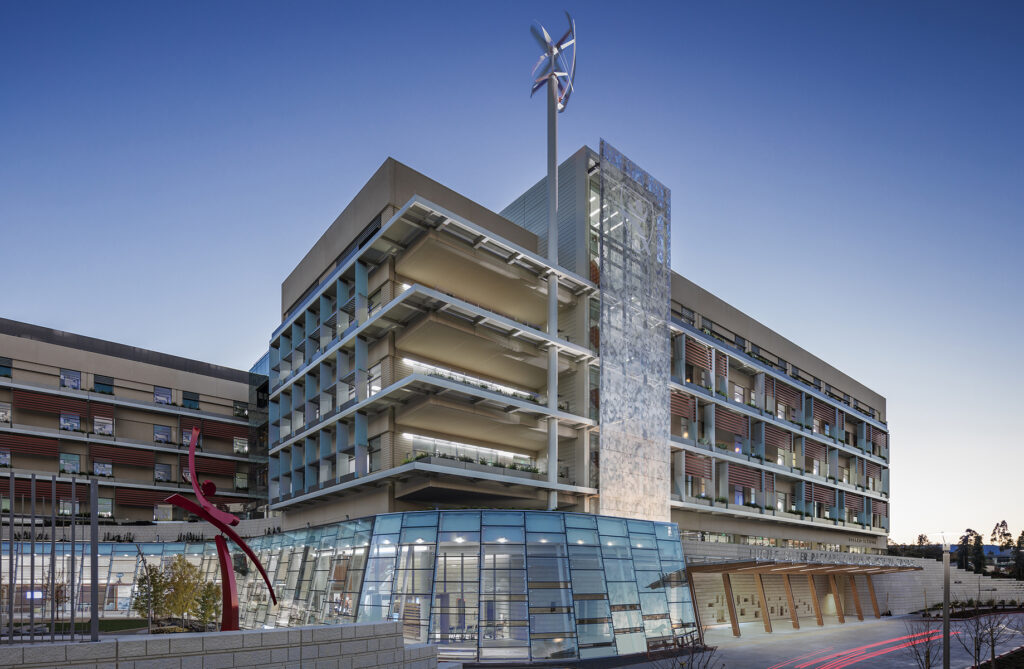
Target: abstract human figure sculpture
[223, 521]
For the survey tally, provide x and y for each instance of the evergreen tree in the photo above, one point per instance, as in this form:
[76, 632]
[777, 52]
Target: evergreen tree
[1017, 568]
[964, 549]
[978, 555]
[1001, 535]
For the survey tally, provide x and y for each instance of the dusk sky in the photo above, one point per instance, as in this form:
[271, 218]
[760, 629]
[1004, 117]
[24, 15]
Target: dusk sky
[849, 174]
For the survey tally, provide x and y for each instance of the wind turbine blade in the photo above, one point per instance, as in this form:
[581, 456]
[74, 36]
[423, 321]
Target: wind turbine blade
[541, 35]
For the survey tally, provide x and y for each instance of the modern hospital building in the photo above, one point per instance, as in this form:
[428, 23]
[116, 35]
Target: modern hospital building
[520, 448]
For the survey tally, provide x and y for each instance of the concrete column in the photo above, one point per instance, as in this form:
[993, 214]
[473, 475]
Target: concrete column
[679, 473]
[360, 364]
[362, 279]
[361, 444]
[679, 357]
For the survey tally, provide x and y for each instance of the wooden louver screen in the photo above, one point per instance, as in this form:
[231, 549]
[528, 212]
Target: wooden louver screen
[824, 412]
[769, 482]
[698, 466]
[698, 354]
[26, 399]
[788, 395]
[683, 405]
[730, 421]
[101, 410]
[124, 456]
[814, 450]
[873, 470]
[721, 364]
[224, 430]
[854, 502]
[25, 445]
[824, 495]
[879, 507]
[139, 497]
[748, 477]
[23, 488]
[776, 437]
[876, 436]
[209, 465]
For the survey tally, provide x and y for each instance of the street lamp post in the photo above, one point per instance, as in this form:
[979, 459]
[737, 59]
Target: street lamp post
[945, 605]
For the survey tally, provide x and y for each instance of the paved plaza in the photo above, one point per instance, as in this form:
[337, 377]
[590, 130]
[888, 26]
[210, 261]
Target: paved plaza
[864, 644]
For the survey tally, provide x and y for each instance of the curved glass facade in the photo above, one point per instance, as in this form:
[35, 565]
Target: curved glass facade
[492, 585]
[488, 585]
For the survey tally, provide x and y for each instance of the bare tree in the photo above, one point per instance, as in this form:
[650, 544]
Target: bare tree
[927, 632]
[984, 631]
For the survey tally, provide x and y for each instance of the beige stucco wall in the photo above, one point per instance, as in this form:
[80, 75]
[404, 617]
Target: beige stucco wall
[391, 186]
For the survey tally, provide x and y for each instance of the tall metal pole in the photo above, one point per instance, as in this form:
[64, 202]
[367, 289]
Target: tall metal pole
[74, 510]
[53, 556]
[553, 286]
[945, 605]
[94, 560]
[10, 566]
[32, 562]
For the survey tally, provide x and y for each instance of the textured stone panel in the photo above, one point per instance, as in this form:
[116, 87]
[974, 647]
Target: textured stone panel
[635, 354]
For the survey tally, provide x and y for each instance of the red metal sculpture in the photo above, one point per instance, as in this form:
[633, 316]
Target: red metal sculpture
[223, 521]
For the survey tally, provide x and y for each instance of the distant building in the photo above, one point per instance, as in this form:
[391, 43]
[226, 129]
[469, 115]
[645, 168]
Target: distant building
[75, 407]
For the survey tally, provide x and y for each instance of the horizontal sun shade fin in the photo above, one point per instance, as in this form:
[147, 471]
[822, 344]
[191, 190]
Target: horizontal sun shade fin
[698, 354]
[777, 437]
[25, 445]
[880, 508]
[721, 364]
[698, 466]
[814, 450]
[825, 495]
[26, 399]
[188, 423]
[683, 405]
[730, 421]
[769, 483]
[209, 466]
[824, 412]
[101, 410]
[854, 502]
[125, 456]
[873, 469]
[747, 477]
[788, 395]
[139, 497]
[878, 437]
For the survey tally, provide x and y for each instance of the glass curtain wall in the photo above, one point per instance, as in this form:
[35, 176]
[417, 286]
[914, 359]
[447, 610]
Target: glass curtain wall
[488, 585]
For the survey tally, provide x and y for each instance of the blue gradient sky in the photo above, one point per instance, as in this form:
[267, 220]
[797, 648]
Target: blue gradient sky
[850, 174]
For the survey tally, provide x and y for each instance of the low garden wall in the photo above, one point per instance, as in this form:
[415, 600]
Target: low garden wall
[356, 646]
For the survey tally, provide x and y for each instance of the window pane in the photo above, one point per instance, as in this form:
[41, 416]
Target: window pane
[70, 379]
[592, 609]
[161, 395]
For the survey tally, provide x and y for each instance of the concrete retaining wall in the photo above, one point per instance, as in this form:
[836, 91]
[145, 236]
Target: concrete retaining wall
[358, 646]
